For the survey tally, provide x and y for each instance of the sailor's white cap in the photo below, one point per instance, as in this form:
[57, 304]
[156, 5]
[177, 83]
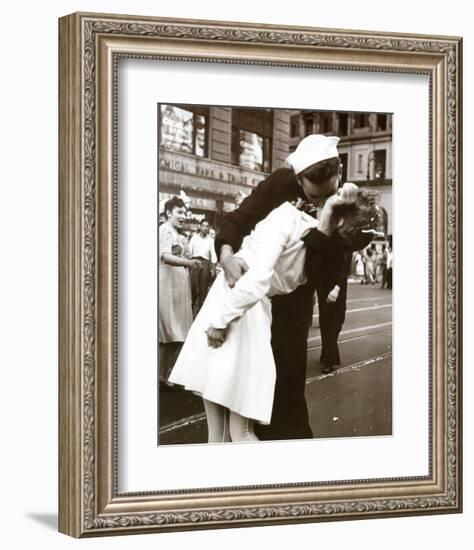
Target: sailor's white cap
[313, 149]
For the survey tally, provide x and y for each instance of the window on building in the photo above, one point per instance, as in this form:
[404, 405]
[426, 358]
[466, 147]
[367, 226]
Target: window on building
[344, 160]
[380, 159]
[383, 220]
[360, 158]
[343, 124]
[252, 131]
[325, 123]
[184, 129]
[295, 126]
[381, 123]
[361, 120]
[308, 126]
[249, 150]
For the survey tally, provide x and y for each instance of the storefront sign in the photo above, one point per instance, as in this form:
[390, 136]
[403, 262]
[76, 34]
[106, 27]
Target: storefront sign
[208, 169]
[194, 202]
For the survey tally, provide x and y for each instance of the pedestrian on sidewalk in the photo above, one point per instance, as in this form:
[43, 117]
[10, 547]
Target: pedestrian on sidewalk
[360, 266]
[369, 266]
[383, 266]
[175, 314]
[389, 266]
[227, 357]
[201, 248]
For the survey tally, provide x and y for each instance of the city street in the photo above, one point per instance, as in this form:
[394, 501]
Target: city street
[356, 400]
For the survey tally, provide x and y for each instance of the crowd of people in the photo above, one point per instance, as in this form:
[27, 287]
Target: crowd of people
[238, 337]
[374, 265]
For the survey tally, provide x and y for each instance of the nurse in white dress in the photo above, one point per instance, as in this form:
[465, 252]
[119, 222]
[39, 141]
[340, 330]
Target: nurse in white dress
[238, 377]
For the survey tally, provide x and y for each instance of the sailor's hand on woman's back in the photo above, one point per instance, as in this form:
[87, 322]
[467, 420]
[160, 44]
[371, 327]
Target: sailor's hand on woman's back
[233, 266]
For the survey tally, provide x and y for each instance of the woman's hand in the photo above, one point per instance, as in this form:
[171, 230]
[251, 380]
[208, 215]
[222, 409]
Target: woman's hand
[347, 194]
[333, 295]
[171, 259]
[216, 336]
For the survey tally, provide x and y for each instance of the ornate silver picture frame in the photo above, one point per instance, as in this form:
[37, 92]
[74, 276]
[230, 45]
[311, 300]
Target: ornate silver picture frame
[90, 47]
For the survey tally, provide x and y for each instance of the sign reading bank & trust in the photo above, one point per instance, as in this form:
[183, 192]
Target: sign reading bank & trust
[207, 169]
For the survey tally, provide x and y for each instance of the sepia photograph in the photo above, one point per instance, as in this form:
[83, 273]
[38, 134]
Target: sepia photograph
[275, 274]
[226, 274]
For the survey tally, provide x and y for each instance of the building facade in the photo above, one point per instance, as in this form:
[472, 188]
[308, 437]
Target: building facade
[217, 155]
[365, 148]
